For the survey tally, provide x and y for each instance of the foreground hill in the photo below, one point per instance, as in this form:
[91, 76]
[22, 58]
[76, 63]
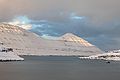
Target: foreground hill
[27, 43]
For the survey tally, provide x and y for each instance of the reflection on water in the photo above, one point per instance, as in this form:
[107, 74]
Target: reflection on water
[59, 68]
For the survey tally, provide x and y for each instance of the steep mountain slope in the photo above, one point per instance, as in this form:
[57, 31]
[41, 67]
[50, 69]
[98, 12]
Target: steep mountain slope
[27, 43]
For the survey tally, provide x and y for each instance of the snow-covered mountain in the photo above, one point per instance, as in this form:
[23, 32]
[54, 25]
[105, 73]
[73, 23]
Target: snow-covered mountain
[27, 43]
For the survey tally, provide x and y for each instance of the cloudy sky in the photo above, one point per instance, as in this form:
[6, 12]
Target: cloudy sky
[97, 21]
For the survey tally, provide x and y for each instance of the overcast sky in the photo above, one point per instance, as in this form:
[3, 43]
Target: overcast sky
[97, 21]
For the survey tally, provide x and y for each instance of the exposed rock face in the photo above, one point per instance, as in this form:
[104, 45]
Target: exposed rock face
[27, 43]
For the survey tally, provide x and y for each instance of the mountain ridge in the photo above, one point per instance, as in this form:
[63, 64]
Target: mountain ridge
[27, 43]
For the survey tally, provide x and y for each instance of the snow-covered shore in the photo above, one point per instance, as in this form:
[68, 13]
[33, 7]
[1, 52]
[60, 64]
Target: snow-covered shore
[104, 56]
[10, 56]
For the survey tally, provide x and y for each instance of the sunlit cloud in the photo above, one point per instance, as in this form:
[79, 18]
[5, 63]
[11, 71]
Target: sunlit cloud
[22, 21]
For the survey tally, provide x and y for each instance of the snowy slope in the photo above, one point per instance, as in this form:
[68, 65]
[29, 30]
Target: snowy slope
[27, 43]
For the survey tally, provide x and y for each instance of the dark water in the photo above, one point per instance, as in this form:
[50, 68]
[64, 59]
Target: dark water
[59, 68]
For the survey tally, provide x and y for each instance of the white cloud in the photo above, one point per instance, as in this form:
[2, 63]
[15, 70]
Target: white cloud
[27, 26]
[22, 21]
[73, 16]
[46, 36]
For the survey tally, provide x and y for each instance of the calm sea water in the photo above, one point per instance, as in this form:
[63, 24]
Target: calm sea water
[59, 68]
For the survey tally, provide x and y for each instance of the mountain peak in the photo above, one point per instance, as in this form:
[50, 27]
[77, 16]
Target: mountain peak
[70, 37]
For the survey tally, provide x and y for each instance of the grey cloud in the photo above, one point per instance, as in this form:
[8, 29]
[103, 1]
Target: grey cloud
[100, 25]
[97, 10]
